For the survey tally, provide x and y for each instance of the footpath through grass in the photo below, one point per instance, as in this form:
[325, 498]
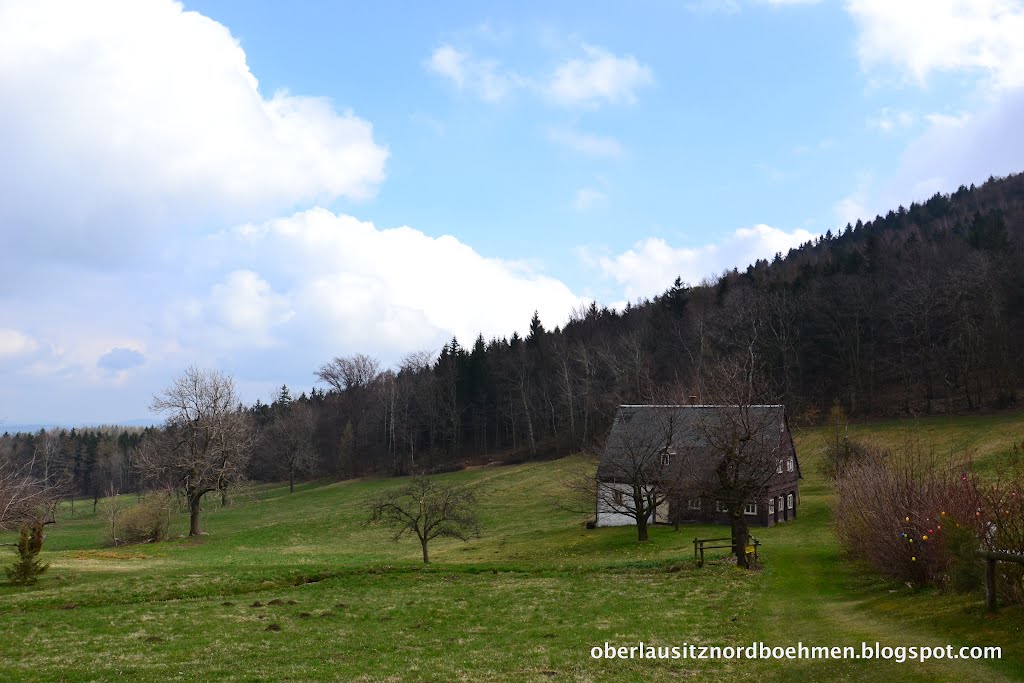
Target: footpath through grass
[296, 587]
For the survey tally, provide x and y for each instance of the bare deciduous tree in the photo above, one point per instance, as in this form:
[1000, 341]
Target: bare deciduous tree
[428, 510]
[24, 496]
[640, 470]
[291, 435]
[351, 372]
[207, 439]
[743, 444]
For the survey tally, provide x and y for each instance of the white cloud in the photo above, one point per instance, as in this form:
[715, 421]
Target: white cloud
[247, 307]
[484, 77]
[587, 144]
[889, 120]
[599, 77]
[854, 206]
[920, 37]
[959, 150]
[651, 265]
[119, 118]
[15, 343]
[350, 285]
[949, 121]
[448, 62]
[588, 198]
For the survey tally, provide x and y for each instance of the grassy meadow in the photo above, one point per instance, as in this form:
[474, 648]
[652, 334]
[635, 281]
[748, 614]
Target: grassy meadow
[296, 587]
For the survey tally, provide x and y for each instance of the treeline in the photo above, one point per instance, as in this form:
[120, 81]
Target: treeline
[89, 463]
[915, 312]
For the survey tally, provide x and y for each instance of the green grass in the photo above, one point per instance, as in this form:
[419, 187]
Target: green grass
[526, 601]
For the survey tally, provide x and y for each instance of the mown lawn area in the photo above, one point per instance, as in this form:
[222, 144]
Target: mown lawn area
[296, 587]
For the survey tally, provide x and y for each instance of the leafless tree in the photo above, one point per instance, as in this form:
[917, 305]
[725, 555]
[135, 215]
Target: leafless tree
[24, 496]
[743, 442]
[641, 469]
[291, 436]
[350, 372]
[206, 443]
[427, 510]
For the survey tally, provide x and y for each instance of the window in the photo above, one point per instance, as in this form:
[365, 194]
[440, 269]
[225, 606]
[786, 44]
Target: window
[693, 504]
[617, 497]
[771, 505]
[789, 464]
[666, 456]
[750, 509]
[778, 468]
[721, 507]
[789, 502]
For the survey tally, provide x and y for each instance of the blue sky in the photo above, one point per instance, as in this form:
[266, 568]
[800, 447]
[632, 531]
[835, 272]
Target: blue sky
[260, 186]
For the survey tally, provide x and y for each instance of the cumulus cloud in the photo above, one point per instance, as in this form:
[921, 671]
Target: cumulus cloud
[920, 37]
[652, 264]
[357, 286]
[119, 118]
[244, 308]
[598, 77]
[120, 358]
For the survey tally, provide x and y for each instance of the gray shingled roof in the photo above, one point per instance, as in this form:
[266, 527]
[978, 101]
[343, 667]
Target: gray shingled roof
[650, 428]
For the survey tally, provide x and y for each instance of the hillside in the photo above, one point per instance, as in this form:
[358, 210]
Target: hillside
[526, 601]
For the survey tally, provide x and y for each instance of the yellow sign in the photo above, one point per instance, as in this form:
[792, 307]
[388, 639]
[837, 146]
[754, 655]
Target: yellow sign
[750, 549]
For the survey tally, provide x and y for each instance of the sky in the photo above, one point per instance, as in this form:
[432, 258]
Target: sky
[261, 186]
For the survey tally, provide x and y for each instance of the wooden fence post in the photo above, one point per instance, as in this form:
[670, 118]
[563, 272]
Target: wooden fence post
[990, 583]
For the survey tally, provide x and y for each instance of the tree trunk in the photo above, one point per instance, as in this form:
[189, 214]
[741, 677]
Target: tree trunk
[194, 507]
[740, 535]
[426, 559]
[641, 527]
[291, 480]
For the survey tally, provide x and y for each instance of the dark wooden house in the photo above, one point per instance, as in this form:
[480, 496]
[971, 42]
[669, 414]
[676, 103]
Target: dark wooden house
[671, 452]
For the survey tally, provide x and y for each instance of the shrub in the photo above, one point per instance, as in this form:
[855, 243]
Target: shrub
[1001, 516]
[148, 521]
[28, 568]
[900, 512]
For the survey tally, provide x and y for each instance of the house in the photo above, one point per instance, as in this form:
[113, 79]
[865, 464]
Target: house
[670, 456]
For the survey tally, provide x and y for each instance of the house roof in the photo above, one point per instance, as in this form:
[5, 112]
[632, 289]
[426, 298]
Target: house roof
[643, 432]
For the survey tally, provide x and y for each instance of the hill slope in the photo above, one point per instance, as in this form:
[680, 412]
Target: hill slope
[527, 601]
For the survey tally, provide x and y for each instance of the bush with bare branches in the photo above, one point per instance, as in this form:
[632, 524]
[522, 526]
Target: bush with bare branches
[146, 522]
[902, 512]
[1001, 513]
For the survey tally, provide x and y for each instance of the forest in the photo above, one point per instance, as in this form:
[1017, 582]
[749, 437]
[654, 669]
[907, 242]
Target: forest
[916, 312]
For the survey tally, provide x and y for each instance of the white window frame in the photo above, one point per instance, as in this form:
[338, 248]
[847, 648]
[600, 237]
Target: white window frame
[750, 508]
[771, 505]
[720, 506]
[789, 501]
[617, 497]
[693, 504]
[790, 464]
[778, 468]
